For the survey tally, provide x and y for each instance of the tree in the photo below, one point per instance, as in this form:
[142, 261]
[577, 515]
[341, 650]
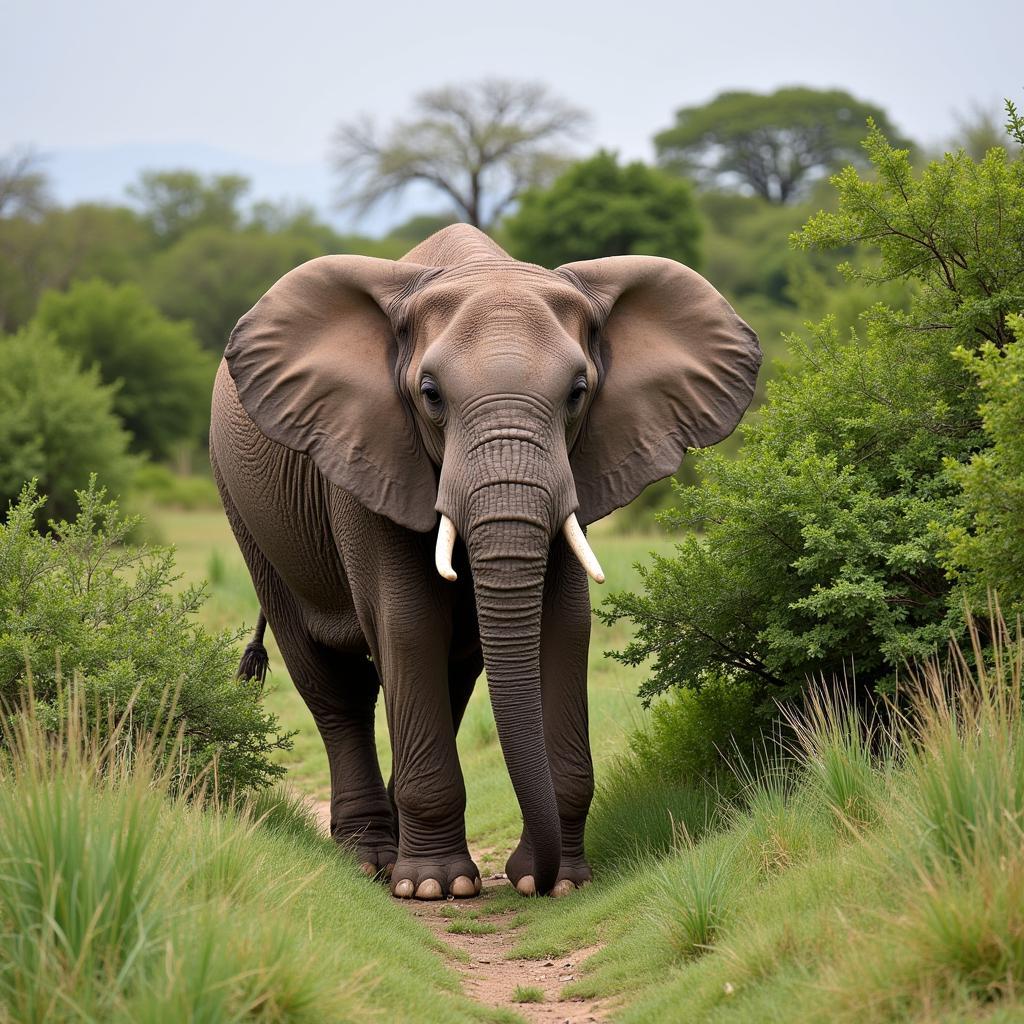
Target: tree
[24, 189]
[57, 424]
[211, 276]
[771, 145]
[823, 543]
[162, 376]
[599, 208]
[176, 202]
[63, 245]
[479, 145]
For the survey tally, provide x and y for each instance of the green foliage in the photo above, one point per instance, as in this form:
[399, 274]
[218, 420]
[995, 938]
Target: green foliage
[689, 731]
[57, 423]
[771, 145]
[176, 202]
[213, 275]
[599, 208]
[64, 245]
[79, 604]
[986, 540]
[822, 542]
[162, 376]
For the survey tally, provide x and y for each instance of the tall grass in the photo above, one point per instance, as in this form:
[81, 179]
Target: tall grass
[873, 872]
[120, 901]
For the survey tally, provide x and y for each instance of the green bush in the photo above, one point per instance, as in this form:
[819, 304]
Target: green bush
[987, 539]
[57, 423]
[163, 378]
[598, 208]
[822, 544]
[79, 605]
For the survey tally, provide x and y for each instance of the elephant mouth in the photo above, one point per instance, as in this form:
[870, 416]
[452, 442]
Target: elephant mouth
[573, 532]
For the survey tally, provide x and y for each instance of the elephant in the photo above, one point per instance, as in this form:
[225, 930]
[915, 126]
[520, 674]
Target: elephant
[408, 453]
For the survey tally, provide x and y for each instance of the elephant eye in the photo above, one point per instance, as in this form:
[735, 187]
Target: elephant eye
[431, 392]
[579, 389]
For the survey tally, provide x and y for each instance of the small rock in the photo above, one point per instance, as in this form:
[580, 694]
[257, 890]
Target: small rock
[482, 960]
[728, 989]
[565, 977]
[549, 963]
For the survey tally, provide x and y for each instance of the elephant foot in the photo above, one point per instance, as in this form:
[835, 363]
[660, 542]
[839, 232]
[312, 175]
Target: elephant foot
[573, 874]
[376, 861]
[434, 878]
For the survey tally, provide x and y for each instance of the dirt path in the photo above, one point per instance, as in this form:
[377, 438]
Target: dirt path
[488, 975]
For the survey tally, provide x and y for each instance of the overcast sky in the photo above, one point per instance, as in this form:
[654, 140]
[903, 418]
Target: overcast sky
[265, 81]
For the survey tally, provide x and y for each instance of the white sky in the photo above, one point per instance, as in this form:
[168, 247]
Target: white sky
[269, 80]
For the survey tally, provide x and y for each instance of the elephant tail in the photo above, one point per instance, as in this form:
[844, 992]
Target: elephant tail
[255, 660]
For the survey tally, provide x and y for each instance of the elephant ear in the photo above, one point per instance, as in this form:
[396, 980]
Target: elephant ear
[677, 370]
[314, 365]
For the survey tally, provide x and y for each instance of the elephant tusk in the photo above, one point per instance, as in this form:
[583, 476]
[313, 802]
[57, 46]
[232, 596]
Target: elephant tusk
[446, 534]
[578, 542]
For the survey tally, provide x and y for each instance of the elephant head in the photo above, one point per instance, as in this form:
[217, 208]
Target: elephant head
[515, 402]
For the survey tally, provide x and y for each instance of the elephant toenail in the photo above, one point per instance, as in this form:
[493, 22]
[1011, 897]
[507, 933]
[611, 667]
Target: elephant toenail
[368, 868]
[477, 884]
[563, 887]
[429, 889]
[463, 886]
[404, 889]
[526, 887]
[388, 868]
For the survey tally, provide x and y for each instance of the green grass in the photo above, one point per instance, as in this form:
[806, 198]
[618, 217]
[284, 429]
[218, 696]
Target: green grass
[527, 994]
[467, 926]
[121, 903]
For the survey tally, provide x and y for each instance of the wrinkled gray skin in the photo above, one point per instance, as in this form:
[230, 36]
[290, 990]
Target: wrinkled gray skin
[362, 397]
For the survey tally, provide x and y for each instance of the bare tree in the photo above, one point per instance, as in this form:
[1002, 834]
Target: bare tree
[24, 189]
[481, 145]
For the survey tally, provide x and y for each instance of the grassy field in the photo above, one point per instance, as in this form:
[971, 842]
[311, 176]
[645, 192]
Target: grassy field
[207, 551]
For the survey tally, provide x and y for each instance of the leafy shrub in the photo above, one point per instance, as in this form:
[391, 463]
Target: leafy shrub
[822, 543]
[57, 423]
[986, 541]
[80, 605]
[163, 377]
[689, 731]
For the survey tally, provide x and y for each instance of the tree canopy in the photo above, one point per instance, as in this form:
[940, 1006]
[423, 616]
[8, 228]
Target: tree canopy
[772, 145]
[600, 208]
[176, 202]
[479, 145]
[160, 374]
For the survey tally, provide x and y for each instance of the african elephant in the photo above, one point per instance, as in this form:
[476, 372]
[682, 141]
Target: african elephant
[360, 400]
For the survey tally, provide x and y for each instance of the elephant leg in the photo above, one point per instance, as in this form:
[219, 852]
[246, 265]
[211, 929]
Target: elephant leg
[433, 859]
[340, 691]
[565, 639]
[462, 676]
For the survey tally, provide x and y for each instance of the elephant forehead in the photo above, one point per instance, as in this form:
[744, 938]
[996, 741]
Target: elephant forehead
[474, 301]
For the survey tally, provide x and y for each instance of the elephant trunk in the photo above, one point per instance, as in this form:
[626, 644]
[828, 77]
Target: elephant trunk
[508, 558]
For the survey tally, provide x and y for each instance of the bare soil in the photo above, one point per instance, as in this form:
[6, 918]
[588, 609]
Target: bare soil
[488, 975]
